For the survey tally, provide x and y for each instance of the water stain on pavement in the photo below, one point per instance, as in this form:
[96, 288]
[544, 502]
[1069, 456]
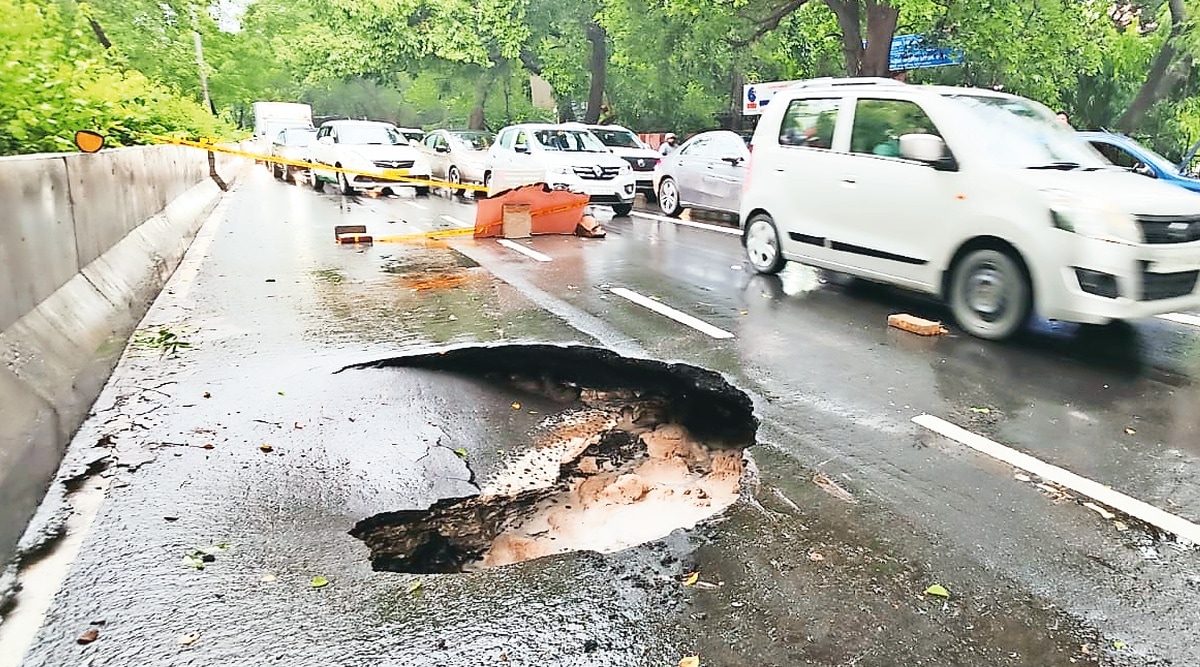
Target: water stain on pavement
[637, 450]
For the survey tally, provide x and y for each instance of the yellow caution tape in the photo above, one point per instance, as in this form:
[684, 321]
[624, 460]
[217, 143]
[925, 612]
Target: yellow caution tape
[398, 175]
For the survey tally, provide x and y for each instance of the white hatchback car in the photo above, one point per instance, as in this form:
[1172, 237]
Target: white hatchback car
[562, 156]
[983, 199]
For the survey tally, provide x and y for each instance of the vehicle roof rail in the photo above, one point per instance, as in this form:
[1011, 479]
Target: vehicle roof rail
[850, 81]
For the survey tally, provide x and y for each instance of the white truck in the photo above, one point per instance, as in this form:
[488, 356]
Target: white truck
[271, 117]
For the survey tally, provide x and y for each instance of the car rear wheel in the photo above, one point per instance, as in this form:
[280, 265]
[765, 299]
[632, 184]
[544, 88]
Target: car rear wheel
[344, 184]
[456, 178]
[622, 210]
[668, 198]
[990, 294]
[762, 245]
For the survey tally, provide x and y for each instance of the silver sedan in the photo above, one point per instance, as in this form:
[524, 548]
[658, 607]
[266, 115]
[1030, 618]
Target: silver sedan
[706, 172]
[457, 156]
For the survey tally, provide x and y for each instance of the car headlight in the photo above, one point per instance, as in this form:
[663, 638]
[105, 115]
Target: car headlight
[1072, 213]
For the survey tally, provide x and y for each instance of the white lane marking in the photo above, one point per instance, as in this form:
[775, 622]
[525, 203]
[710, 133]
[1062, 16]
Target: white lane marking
[1082, 485]
[528, 252]
[455, 221]
[681, 317]
[1181, 318]
[416, 205]
[688, 223]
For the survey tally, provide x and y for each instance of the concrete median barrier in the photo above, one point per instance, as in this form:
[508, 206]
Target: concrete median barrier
[86, 244]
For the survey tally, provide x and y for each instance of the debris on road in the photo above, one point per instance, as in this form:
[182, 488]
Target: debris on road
[1100, 510]
[550, 211]
[88, 637]
[690, 661]
[265, 448]
[937, 590]
[189, 639]
[589, 228]
[826, 484]
[318, 582]
[352, 234]
[691, 579]
[917, 325]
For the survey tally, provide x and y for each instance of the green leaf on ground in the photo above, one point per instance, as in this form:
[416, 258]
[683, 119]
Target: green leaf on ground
[416, 587]
[461, 453]
[938, 590]
[318, 582]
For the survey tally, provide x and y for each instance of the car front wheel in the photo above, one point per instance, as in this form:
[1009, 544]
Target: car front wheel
[762, 245]
[622, 210]
[990, 294]
[668, 198]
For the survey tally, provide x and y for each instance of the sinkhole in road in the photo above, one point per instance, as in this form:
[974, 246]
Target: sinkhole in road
[637, 449]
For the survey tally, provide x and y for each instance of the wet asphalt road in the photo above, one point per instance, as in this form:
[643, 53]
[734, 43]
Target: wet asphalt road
[276, 308]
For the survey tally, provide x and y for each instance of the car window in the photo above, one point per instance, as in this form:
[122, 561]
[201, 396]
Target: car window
[617, 138]
[522, 142]
[506, 138]
[323, 132]
[476, 141]
[728, 146]
[571, 141]
[809, 123]
[431, 141]
[369, 134]
[879, 124]
[1115, 155]
[297, 137]
[696, 148]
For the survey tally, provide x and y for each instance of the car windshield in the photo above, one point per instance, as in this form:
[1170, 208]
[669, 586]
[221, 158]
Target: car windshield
[298, 137]
[618, 138]
[1019, 133]
[475, 141]
[569, 141]
[369, 134]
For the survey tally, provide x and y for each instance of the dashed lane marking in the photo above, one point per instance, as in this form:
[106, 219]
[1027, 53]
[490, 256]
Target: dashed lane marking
[417, 206]
[1065, 478]
[455, 221]
[678, 316]
[1181, 318]
[528, 252]
[688, 223]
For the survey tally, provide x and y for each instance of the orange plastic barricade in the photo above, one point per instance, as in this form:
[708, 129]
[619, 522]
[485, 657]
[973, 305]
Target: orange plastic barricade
[552, 211]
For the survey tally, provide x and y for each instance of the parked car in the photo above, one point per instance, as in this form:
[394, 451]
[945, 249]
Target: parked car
[561, 156]
[412, 134]
[291, 144]
[627, 146]
[1125, 152]
[366, 146]
[980, 198]
[457, 156]
[706, 172]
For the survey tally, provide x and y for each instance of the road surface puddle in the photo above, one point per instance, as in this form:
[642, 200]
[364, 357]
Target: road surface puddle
[638, 449]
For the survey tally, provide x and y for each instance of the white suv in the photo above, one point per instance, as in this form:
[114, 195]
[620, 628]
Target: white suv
[562, 156]
[627, 146]
[983, 199]
[376, 149]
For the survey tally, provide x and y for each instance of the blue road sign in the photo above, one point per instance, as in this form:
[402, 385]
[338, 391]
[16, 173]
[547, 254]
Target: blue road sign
[911, 52]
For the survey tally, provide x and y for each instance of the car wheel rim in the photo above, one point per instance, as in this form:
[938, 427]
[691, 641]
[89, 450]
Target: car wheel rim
[667, 196]
[455, 178]
[762, 245]
[986, 292]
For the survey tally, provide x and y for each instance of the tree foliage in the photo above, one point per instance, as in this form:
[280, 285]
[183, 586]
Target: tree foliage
[653, 65]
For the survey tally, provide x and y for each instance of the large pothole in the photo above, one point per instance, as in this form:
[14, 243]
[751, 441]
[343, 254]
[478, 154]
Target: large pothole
[637, 449]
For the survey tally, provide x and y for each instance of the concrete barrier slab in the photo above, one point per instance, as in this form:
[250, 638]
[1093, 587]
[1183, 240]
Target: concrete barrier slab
[29, 431]
[37, 239]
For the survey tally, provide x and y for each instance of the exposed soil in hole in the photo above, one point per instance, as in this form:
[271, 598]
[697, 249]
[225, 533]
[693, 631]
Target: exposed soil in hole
[423, 270]
[639, 449]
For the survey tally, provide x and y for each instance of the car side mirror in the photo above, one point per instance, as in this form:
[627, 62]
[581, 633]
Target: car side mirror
[1143, 169]
[734, 160]
[927, 148]
[442, 149]
[521, 148]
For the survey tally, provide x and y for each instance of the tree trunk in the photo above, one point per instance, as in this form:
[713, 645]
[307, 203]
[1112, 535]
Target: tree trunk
[478, 121]
[848, 18]
[599, 69]
[881, 26]
[1152, 89]
[736, 84]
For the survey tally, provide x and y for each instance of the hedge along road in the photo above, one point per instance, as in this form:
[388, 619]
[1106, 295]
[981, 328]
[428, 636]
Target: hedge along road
[855, 514]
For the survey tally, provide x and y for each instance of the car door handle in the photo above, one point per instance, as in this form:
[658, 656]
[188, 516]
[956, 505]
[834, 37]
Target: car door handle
[849, 180]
